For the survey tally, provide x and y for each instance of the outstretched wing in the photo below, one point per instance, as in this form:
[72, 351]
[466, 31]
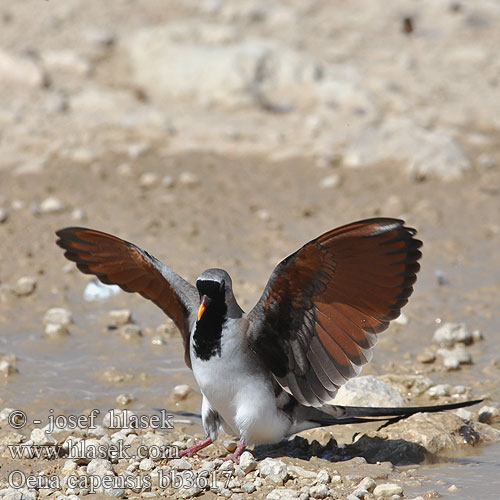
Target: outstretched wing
[317, 320]
[118, 262]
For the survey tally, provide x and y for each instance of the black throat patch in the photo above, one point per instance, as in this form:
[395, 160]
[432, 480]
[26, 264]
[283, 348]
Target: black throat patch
[208, 333]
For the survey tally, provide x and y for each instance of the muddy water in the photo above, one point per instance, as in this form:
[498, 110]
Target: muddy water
[476, 476]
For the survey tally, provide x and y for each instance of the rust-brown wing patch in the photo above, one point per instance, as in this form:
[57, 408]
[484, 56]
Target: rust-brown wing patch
[118, 262]
[318, 317]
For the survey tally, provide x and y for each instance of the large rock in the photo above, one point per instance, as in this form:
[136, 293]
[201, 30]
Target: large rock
[368, 391]
[208, 63]
[424, 152]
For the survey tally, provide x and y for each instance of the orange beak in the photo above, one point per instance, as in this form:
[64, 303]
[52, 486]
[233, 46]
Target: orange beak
[203, 305]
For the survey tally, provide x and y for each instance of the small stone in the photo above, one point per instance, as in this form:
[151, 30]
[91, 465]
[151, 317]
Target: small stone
[53, 330]
[19, 70]
[453, 358]
[51, 205]
[450, 334]
[323, 477]
[426, 357]
[101, 37]
[453, 488]
[189, 179]
[56, 103]
[119, 317]
[66, 60]
[130, 331]
[99, 467]
[477, 335]
[271, 466]
[181, 392]
[4, 215]
[8, 365]
[487, 414]
[125, 399]
[114, 492]
[275, 479]
[190, 492]
[464, 414]
[78, 214]
[118, 419]
[124, 169]
[352, 496]
[148, 179]
[368, 484]
[226, 466]
[439, 390]
[69, 467]
[247, 462]
[451, 364]
[359, 493]
[168, 181]
[40, 438]
[330, 182]
[25, 286]
[180, 464]
[387, 490]
[248, 487]
[58, 316]
[229, 445]
[298, 471]
[138, 149]
[146, 464]
[319, 491]
[263, 214]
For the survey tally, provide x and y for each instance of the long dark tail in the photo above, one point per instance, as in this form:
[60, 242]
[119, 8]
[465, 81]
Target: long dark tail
[337, 415]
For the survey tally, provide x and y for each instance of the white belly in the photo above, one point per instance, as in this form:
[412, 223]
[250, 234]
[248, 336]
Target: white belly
[242, 396]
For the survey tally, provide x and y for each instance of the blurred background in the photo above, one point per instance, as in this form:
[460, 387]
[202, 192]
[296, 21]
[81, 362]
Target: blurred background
[227, 134]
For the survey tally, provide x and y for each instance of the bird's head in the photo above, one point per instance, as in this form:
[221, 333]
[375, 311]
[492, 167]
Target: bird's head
[216, 291]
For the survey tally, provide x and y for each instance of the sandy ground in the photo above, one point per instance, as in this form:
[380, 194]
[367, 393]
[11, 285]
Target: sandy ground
[228, 179]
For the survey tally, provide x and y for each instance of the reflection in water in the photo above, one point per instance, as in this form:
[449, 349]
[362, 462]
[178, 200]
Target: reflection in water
[476, 476]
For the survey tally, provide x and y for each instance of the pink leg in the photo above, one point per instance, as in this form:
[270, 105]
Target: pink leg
[235, 457]
[193, 450]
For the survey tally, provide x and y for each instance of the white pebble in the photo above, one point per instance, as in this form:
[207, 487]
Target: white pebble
[319, 491]
[181, 392]
[330, 182]
[148, 179]
[439, 390]
[387, 490]
[51, 205]
[367, 483]
[119, 317]
[180, 464]
[448, 334]
[247, 462]
[25, 286]
[58, 316]
[54, 330]
[189, 179]
[125, 399]
[146, 464]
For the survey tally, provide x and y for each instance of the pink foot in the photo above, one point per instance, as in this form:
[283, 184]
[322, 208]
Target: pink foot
[193, 450]
[235, 457]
